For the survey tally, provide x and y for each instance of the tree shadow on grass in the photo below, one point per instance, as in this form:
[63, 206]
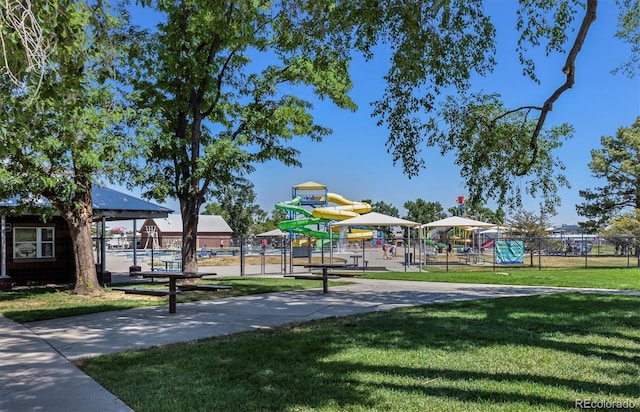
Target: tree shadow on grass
[344, 362]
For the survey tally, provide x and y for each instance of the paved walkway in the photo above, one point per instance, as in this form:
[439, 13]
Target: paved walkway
[36, 373]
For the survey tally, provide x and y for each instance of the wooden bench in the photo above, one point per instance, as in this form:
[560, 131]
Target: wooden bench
[149, 292]
[347, 274]
[311, 277]
[365, 263]
[464, 259]
[210, 288]
[430, 257]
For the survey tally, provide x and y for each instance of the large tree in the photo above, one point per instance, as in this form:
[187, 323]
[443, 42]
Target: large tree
[236, 204]
[382, 207]
[437, 47]
[268, 221]
[221, 79]
[422, 211]
[531, 227]
[624, 231]
[486, 215]
[224, 80]
[617, 163]
[26, 40]
[56, 143]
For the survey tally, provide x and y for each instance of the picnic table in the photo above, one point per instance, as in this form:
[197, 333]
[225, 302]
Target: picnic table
[469, 258]
[174, 287]
[356, 259]
[173, 277]
[325, 272]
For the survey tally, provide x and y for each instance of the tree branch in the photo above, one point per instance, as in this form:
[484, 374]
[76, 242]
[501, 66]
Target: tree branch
[507, 113]
[569, 70]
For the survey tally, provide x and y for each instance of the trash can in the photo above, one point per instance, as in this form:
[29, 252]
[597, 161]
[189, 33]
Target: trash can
[408, 258]
[103, 277]
[300, 251]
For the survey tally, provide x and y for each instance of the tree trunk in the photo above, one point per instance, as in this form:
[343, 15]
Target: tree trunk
[189, 211]
[79, 222]
[531, 258]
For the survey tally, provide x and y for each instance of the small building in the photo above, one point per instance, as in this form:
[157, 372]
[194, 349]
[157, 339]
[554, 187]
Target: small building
[166, 233]
[38, 252]
[566, 230]
[41, 252]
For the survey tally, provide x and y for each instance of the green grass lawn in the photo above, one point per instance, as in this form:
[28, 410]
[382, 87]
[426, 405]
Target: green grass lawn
[42, 303]
[530, 353]
[512, 354]
[626, 279]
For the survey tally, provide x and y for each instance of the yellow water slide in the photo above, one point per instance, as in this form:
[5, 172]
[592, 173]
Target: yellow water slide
[346, 210]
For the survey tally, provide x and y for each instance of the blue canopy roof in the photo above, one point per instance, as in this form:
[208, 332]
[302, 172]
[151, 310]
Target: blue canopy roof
[112, 205]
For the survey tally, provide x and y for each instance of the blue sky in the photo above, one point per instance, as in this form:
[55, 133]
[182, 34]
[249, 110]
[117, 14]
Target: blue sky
[354, 162]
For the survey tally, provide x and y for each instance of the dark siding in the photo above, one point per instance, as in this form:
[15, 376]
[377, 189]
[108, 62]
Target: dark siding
[60, 269]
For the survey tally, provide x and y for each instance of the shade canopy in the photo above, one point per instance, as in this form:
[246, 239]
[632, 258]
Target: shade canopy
[113, 205]
[273, 233]
[108, 204]
[495, 229]
[310, 186]
[375, 219]
[458, 221]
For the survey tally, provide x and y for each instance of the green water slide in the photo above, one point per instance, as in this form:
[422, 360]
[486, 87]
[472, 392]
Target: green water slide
[299, 225]
[311, 233]
[292, 206]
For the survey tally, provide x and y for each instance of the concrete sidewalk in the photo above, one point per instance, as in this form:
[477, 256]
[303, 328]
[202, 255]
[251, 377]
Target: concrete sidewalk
[36, 372]
[35, 377]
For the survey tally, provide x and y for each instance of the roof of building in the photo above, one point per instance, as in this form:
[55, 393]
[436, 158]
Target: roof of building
[111, 205]
[115, 205]
[206, 223]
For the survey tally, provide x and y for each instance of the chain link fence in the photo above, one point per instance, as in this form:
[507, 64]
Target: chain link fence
[280, 255]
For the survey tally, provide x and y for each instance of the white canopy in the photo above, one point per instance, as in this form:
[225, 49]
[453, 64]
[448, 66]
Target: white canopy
[495, 229]
[375, 219]
[457, 221]
[273, 233]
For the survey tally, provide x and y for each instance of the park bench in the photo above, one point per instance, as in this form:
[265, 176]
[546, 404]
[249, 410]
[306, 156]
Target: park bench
[345, 274]
[430, 257]
[463, 259]
[210, 288]
[311, 277]
[140, 291]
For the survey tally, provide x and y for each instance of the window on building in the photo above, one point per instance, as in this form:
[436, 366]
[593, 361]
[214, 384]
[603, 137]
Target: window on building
[33, 242]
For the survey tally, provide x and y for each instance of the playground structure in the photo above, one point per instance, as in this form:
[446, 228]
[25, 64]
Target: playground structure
[310, 213]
